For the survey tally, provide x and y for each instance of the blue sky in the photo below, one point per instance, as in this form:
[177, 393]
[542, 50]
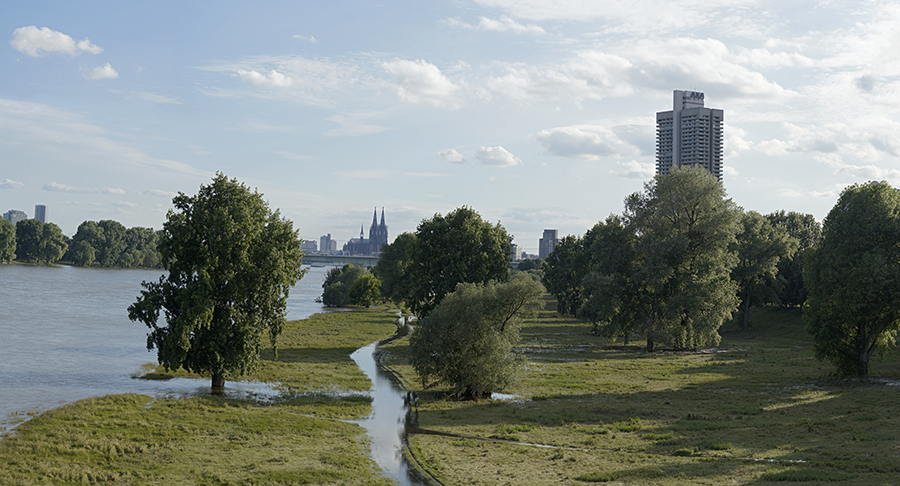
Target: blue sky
[536, 113]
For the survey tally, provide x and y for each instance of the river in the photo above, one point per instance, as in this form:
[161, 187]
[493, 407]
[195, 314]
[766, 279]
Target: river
[65, 335]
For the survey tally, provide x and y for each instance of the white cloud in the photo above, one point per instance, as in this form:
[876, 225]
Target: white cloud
[10, 184]
[102, 72]
[831, 192]
[308, 38]
[56, 187]
[730, 171]
[451, 156]
[422, 82]
[503, 24]
[791, 193]
[36, 42]
[273, 79]
[161, 193]
[634, 170]
[591, 142]
[496, 156]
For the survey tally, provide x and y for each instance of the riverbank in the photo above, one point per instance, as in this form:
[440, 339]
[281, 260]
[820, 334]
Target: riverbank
[757, 410]
[134, 439]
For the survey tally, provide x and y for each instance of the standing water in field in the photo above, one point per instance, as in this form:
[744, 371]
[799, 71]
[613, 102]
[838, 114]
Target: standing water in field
[388, 423]
[65, 335]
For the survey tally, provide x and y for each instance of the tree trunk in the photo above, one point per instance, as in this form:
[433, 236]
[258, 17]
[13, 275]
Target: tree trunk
[747, 312]
[218, 383]
[649, 343]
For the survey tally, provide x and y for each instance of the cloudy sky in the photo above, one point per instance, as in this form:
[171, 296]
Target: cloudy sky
[536, 113]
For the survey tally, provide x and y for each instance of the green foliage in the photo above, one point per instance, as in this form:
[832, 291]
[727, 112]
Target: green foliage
[760, 246]
[853, 277]
[108, 243]
[7, 241]
[807, 231]
[392, 268]
[457, 248]
[564, 271]
[466, 341]
[338, 283]
[39, 242]
[531, 264]
[365, 291]
[686, 226]
[231, 263]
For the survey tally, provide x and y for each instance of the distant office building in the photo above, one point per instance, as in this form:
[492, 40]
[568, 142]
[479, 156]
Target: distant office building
[378, 237]
[308, 246]
[326, 244]
[547, 244]
[516, 252]
[14, 216]
[689, 134]
[40, 213]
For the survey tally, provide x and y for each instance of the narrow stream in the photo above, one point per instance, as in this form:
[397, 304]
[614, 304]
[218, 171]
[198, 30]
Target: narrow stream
[387, 424]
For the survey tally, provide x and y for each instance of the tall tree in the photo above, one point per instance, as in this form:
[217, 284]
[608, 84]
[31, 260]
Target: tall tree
[617, 302]
[467, 341]
[53, 243]
[853, 277]
[564, 271]
[28, 240]
[457, 248]
[337, 285]
[231, 263]
[807, 231]
[110, 251]
[7, 241]
[86, 243]
[685, 226]
[759, 247]
[392, 268]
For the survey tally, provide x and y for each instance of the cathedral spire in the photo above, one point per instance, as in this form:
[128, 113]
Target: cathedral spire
[382, 216]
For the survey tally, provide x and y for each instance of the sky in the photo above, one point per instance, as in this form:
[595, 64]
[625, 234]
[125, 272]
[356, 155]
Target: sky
[538, 114]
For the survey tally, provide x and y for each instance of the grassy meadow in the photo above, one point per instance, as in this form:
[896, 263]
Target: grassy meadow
[757, 410]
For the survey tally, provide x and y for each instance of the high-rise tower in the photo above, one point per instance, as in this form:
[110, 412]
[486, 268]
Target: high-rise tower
[689, 134]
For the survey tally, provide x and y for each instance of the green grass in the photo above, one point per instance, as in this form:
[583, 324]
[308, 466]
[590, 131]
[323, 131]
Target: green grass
[759, 402]
[135, 440]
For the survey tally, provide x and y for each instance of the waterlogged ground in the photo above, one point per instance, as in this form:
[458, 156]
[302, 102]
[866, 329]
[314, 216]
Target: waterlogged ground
[304, 437]
[757, 410]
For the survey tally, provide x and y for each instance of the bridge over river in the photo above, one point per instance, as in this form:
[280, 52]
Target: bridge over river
[367, 261]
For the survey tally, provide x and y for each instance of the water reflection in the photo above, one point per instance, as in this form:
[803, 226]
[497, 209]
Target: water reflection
[390, 418]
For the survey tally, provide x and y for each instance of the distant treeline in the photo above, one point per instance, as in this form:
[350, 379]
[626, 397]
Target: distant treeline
[105, 243]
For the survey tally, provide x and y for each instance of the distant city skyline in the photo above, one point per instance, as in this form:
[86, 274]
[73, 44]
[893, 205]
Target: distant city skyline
[535, 114]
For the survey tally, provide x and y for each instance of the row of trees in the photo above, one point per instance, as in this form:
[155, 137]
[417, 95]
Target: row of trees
[109, 244]
[106, 243]
[350, 285]
[676, 264]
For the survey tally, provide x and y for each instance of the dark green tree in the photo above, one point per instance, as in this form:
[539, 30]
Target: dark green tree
[564, 271]
[759, 247]
[685, 227]
[467, 341]
[109, 252]
[457, 248]
[7, 241]
[53, 243]
[28, 240]
[392, 268]
[807, 231]
[853, 277]
[617, 302]
[531, 264]
[231, 263]
[337, 285]
[86, 242]
[365, 291]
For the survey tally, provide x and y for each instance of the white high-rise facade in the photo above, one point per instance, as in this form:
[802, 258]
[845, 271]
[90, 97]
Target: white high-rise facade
[689, 134]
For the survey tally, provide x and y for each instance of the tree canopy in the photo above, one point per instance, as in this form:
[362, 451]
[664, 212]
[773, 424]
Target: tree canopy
[448, 250]
[392, 268]
[760, 246]
[466, 341]
[231, 262]
[350, 285]
[39, 242]
[7, 241]
[804, 228]
[853, 277]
